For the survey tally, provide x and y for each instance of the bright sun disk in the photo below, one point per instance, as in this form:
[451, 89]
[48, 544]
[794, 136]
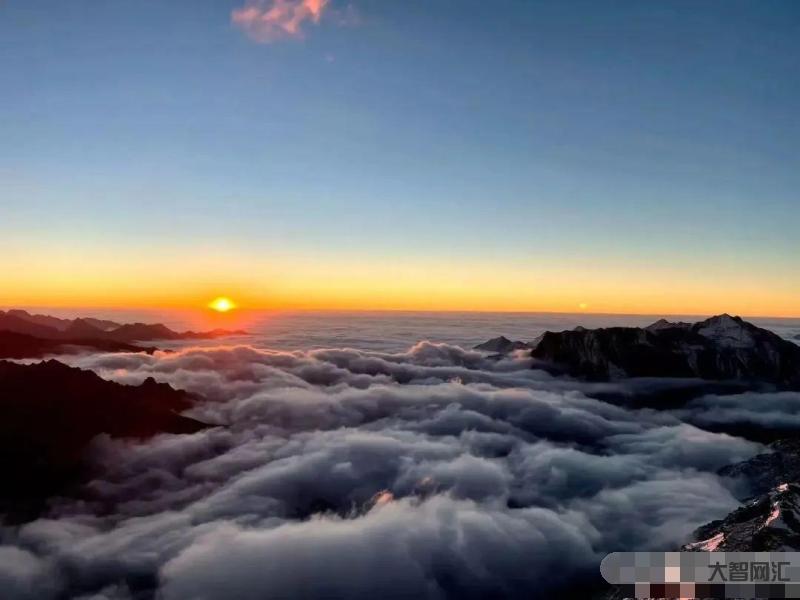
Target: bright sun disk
[221, 304]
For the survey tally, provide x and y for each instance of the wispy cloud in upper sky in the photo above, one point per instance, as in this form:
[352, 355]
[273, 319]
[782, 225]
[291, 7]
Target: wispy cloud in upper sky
[267, 21]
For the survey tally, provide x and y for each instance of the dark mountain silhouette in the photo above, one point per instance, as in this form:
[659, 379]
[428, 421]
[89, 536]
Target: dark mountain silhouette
[9, 322]
[49, 413]
[83, 329]
[146, 331]
[719, 348]
[20, 345]
[60, 324]
[21, 338]
[143, 331]
[211, 334]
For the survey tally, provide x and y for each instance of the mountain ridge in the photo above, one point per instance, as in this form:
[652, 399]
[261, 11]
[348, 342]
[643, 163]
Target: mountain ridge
[719, 348]
[20, 345]
[50, 412]
[44, 334]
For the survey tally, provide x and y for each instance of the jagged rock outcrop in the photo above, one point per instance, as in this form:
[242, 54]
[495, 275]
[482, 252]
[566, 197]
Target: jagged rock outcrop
[49, 412]
[767, 522]
[770, 518]
[719, 348]
[502, 345]
[770, 522]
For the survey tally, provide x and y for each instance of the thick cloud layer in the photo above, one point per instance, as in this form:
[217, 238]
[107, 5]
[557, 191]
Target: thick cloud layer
[770, 410]
[433, 473]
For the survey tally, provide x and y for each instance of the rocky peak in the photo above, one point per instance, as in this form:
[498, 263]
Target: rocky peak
[81, 328]
[719, 348]
[729, 332]
[766, 523]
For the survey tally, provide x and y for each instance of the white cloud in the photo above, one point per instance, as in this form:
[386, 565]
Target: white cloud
[488, 473]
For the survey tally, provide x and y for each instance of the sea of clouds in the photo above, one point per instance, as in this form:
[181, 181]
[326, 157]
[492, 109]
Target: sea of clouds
[337, 473]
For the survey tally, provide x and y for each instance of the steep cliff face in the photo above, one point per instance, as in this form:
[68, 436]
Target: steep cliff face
[719, 348]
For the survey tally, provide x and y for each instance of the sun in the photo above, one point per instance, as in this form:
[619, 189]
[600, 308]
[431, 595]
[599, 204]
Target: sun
[221, 304]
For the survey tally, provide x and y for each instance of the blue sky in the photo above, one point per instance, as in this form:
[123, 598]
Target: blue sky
[617, 134]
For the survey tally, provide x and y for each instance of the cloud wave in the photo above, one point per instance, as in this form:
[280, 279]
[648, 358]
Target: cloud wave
[432, 473]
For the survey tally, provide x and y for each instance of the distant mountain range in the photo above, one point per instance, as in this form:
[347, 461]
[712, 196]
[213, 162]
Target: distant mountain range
[19, 345]
[502, 345]
[26, 335]
[720, 348]
[765, 472]
[57, 323]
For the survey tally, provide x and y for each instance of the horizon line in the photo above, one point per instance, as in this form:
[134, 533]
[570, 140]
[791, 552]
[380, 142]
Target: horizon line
[250, 309]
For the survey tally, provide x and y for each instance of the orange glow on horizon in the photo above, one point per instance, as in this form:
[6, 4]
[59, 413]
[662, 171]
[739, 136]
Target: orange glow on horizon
[414, 303]
[432, 297]
[90, 277]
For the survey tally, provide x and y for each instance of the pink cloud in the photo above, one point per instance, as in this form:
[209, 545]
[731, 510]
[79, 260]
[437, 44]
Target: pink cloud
[268, 21]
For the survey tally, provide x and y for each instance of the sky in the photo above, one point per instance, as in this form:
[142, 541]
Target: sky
[626, 156]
